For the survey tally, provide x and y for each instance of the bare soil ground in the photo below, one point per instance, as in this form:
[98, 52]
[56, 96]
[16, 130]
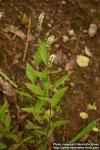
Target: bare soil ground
[60, 18]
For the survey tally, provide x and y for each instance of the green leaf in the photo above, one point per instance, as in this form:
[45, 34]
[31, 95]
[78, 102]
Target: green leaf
[59, 123]
[31, 126]
[35, 111]
[45, 99]
[60, 81]
[57, 97]
[38, 74]
[2, 146]
[13, 136]
[43, 146]
[7, 121]
[35, 89]
[39, 133]
[85, 131]
[37, 116]
[28, 109]
[43, 52]
[37, 57]
[54, 71]
[3, 109]
[24, 94]
[28, 139]
[15, 146]
[50, 132]
[30, 73]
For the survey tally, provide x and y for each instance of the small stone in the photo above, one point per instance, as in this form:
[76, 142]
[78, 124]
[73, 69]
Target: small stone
[49, 25]
[1, 14]
[60, 11]
[51, 21]
[72, 84]
[63, 2]
[56, 45]
[85, 31]
[65, 38]
[92, 30]
[48, 33]
[73, 38]
[70, 32]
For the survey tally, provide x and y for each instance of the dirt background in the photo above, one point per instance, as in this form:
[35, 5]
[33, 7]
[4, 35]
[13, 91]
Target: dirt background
[61, 17]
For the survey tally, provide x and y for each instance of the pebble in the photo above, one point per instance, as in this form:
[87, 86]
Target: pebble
[48, 33]
[1, 15]
[70, 32]
[65, 38]
[49, 25]
[56, 45]
[92, 30]
[85, 31]
[63, 2]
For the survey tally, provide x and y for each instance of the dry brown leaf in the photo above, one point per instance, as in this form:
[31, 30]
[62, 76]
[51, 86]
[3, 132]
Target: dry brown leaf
[70, 64]
[6, 88]
[17, 32]
[16, 59]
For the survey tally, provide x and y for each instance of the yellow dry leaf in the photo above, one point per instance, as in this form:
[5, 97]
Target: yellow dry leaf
[83, 115]
[50, 112]
[92, 106]
[82, 61]
[95, 129]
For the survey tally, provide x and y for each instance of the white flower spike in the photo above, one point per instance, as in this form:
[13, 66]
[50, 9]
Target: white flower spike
[50, 40]
[52, 58]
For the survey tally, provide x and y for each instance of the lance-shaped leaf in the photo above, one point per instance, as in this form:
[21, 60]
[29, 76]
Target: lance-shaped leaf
[35, 111]
[7, 121]
[2, 146]
[85, 131]
[59, 123]
[34, 88]
[60, 81]
[30, 73]
[38, 74]
[3, 109]
[31, 126]
[24, 94]
[57, 97]
[43, 52]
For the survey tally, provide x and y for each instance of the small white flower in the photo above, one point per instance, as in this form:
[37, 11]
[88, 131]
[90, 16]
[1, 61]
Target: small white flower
[50, 40]
[40, 21]
[41, 17]
[52, 58]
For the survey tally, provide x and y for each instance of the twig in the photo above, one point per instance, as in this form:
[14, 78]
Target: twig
[7, 78]
[77, 43]
[26, 45]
